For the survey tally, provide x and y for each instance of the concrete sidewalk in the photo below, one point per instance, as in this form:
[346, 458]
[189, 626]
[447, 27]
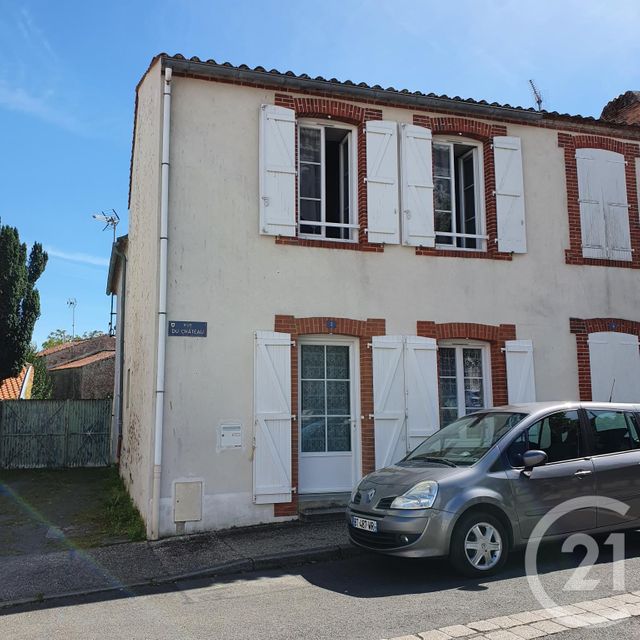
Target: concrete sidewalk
[39, 577]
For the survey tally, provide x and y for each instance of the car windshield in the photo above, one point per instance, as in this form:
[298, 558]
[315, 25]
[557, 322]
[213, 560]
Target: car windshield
[465, 441]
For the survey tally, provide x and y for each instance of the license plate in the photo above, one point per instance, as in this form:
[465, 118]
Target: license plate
[363, 523]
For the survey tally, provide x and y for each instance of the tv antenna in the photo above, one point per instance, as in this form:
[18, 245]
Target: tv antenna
[110, 219]
[537, 96]
[72, 303]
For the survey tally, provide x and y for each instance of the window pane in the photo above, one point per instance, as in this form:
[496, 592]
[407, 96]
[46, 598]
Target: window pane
[517, 448]
[473, 395]
[447, 416]
[310, 180]
[312, 397]
[338, 362]
[472, 363]
[309, 144]
[309, 211]
[312, 361]
[442, 197]
[441, 161]
[447, 361]
[338, 434]
[635, 433]
[312, 435]
[558, 436]
[610, 430]
[338, 398]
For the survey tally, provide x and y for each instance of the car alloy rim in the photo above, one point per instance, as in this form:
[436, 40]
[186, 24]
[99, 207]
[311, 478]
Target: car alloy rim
[483, 546]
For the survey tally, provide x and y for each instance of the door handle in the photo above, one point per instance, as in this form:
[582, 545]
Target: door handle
[582, 472]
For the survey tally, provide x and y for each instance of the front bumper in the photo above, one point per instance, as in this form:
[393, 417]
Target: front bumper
[420, 534]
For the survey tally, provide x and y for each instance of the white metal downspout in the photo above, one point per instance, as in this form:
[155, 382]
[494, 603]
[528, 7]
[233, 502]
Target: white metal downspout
[162, 307]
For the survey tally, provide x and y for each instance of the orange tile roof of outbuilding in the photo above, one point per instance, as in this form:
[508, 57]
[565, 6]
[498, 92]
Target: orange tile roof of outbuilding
[10, 388]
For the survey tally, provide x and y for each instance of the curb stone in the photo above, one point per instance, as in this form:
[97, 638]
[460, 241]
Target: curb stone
[243, 565]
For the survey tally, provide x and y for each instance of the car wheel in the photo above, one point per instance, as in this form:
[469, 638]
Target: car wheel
[479, 545]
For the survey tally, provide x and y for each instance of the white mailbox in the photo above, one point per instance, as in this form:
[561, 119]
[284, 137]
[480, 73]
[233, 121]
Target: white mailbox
[230, 435]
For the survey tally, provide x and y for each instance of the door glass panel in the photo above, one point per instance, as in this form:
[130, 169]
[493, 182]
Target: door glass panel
[448, 385]
[313, 435]
[325, 398]
[473, 387]
[313, 399]
[312, 362]
[339, 434]
[337, 398]
[611, 431]
[337, 363]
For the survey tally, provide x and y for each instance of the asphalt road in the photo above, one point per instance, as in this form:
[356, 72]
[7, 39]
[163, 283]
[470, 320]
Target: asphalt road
[368, 598]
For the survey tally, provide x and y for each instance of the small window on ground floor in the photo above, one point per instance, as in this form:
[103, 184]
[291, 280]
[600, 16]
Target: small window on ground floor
[464, 383]
[326, 182]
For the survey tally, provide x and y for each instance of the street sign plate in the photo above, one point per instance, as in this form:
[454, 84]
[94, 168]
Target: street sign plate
[184, 329]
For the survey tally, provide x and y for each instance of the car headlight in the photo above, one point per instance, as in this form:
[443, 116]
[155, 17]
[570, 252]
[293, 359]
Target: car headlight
[421, 496]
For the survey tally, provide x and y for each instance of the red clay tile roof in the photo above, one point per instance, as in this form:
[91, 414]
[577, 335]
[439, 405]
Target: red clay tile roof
[11, 388]
[58, 347]
[81, 362]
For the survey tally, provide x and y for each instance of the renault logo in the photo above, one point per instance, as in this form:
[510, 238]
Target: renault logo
[370, 494]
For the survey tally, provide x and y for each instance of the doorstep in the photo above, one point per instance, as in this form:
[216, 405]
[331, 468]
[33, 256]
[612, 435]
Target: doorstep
[322, 507]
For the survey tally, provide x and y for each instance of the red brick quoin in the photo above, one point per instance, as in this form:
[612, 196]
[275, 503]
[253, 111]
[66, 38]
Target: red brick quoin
[495, 335]
[362, 329]
[582, 328]
[630, 151]
[351, 114]
[484, 133]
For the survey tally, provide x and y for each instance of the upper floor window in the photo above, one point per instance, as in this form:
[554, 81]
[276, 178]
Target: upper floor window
[326, 181]
[604, 210]
[457, 195]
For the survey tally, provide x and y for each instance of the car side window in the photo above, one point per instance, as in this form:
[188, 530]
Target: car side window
[613, 431]
[558, 435]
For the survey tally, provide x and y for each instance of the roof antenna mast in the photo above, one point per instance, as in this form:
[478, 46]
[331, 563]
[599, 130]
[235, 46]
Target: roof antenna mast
[111, 220]
[537, 96]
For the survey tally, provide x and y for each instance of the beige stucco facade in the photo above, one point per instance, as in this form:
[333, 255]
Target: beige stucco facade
[222, 271]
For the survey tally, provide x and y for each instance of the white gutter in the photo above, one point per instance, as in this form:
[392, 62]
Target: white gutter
[162, 308]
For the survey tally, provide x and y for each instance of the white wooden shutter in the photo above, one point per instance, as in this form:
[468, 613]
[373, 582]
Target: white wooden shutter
[272, 408]
[616, 212]
[382, 182]
[389, 404]
[615, 367]
[521, 382]
[421, 382]
[592, 218]
[416, 175]
[507, 156]
[277, 171]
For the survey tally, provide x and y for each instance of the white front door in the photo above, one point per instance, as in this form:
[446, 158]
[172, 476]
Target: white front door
[328, 411]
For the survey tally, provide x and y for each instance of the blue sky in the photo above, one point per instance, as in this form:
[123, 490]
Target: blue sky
[68, 70]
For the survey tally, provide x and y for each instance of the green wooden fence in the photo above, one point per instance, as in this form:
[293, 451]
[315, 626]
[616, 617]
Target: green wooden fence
[55, 433]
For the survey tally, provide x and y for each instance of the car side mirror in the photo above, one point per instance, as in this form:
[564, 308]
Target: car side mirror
[533, 458]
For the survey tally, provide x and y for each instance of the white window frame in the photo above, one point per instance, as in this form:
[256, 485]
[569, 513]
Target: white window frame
[352, 225]
[459, 345]
[478, 158]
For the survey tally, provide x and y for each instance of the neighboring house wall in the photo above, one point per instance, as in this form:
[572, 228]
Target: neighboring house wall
[142, 287]
[222, 271]
[84, 379]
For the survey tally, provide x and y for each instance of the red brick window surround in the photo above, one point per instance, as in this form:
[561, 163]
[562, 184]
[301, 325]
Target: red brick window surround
[484, 133]
[630, 151]
[495, 335]
[362, 329]
[582, 328]
[352, 114]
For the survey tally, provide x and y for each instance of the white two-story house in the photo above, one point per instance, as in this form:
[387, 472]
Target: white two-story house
[320, 274]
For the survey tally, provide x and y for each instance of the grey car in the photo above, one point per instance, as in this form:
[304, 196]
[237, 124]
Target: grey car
[478, 487]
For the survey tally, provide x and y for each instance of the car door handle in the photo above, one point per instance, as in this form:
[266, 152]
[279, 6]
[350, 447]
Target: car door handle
[582, 472]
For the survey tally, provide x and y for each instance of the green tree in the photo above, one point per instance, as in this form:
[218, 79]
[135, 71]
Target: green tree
[42, 385]
[60, 336]
[19, 299]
